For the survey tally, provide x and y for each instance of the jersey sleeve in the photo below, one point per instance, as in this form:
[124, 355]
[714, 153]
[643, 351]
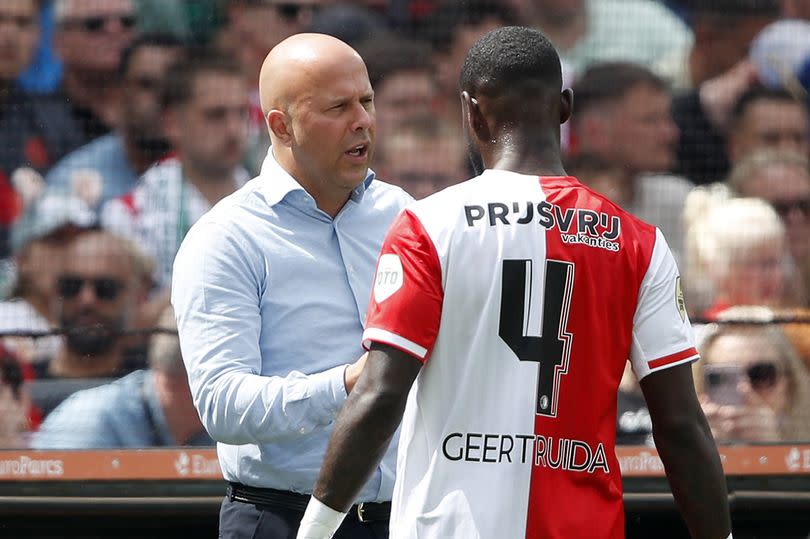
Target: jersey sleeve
[662, 334]
[406, 300]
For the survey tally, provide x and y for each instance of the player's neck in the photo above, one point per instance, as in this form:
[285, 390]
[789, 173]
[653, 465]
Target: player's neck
[531, 157]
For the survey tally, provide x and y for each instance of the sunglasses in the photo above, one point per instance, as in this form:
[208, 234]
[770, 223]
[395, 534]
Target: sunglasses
[761, 375]
[98, 23]
[105, 288]
[786, 207]
[22, 22]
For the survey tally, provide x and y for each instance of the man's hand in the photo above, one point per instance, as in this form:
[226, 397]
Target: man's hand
[353, 371]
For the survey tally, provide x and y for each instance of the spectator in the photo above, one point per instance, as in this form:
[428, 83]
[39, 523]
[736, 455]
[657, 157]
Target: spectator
[711, 116]
[737, 254]
[100, 289]
[90, 37]
[40, 239]
[595, 31]
[111, 164]
[252, 28]
[34, 131]
[781, 178]
[147, 408]
[765, 118]
[403, 79]
[623, 117]
[14, 403]
[722, 31]
[752, 384]
[601, 175]
[204, 108]
[450, 30]
[440, 151]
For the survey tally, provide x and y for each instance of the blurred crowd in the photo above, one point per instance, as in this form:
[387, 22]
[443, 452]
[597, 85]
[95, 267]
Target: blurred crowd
[123, 121]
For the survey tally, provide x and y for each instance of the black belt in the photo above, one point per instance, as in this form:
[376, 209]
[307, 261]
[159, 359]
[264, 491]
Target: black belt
[364, 512]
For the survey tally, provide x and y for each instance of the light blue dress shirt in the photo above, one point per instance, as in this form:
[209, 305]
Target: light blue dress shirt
[122, 414]
[270, 295]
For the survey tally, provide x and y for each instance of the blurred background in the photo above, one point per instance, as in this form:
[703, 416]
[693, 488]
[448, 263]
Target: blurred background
[124, 121]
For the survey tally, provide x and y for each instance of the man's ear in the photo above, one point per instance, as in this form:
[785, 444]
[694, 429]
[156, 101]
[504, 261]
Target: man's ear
[566, 105]
[280, 128]
[474, 117]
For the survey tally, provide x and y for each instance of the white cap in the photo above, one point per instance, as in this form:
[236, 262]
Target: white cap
[780, 50]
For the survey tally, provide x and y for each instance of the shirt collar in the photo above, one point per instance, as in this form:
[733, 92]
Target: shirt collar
[278, 183]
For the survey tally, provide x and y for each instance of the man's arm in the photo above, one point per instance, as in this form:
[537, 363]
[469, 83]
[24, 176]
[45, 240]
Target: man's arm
[216, 294]
[686, 447]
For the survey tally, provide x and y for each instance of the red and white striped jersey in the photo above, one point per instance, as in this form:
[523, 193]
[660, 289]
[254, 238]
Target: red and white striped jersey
[524, 296]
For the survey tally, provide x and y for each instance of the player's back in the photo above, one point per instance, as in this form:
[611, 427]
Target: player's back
[509, 430]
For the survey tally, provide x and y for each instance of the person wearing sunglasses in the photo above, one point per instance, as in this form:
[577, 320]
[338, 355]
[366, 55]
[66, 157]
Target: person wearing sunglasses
[781, 178]
[752, 385]
[89, 38]
[100, 290]
[147, 408]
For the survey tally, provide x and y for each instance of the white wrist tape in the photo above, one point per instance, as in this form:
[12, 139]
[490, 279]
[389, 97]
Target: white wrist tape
[320, 521]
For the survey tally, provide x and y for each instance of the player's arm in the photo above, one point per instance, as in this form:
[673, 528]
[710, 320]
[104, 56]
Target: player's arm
[684, 442]
[365, 425]
[361, 435]
[402, 324]
[662, 352]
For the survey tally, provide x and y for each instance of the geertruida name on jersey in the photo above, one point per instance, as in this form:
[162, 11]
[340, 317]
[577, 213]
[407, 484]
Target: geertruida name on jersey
[576, 225]
[562, 453]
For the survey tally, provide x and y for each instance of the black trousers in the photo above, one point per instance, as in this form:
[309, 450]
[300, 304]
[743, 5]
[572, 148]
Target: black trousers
[239, 520]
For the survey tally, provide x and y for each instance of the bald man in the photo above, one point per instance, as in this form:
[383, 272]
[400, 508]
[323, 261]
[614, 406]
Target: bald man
[271, 287]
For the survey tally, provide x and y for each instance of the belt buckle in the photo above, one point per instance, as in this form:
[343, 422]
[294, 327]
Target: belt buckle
[361, 510]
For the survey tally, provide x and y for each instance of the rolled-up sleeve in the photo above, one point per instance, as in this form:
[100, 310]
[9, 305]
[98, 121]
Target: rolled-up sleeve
[216, 294]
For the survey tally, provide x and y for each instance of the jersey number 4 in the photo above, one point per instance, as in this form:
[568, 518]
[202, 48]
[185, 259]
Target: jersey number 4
[552, 348]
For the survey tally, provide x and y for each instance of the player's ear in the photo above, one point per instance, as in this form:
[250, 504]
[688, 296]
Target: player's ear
[566, 104]
[473, 116]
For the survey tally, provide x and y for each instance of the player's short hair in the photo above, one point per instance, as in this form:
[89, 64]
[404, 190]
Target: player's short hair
[608, 82]
[760, 93]
[511, 59]
[180, 78]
